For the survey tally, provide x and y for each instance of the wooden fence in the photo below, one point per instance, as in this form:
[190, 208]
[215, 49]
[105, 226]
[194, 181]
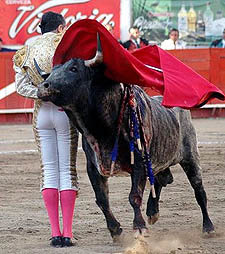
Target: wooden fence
[210, 63]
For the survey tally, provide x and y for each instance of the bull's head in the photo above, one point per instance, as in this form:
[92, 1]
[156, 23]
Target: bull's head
[67, 81]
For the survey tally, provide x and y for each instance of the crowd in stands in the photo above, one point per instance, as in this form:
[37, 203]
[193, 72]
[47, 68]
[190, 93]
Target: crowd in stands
[135, 40]
[219, 43]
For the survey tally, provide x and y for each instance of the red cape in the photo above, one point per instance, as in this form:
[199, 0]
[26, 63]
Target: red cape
[179, 84]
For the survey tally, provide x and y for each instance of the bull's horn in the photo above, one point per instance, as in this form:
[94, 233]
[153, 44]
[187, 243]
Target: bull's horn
[98, 59]
[42, 73]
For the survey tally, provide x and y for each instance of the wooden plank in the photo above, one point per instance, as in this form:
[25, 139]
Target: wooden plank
[209, 63]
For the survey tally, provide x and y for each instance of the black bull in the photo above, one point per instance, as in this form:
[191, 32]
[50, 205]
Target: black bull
[92, 102]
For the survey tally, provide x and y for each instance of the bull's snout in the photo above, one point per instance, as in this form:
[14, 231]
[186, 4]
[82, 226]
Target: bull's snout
[45, 85]
[45, 91]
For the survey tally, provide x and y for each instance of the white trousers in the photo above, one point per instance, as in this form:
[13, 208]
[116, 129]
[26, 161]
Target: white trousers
[57, 142]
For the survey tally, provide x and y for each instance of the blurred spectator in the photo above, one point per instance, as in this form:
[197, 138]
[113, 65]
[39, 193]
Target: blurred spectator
[135, 40]
[173, 42]
[219, 43]
[4, 49]
[110, 28]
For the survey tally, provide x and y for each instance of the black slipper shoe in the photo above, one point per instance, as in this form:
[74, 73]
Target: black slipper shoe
[67, 242]
[56, 241]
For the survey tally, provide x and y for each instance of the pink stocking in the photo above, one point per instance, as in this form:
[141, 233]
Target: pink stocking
[67, 199]
[51, 200]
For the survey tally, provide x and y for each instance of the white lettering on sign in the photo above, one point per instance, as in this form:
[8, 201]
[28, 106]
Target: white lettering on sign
[36, 14]
[17, 1]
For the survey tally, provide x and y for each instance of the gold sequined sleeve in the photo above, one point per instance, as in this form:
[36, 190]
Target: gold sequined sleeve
[24, 85]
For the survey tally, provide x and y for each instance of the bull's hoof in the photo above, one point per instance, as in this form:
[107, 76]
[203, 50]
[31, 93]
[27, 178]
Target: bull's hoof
[208, 227]
[144, 232]
[152, 219]
[118, 236]
[211, 234]
[118, 239]
[209, 230]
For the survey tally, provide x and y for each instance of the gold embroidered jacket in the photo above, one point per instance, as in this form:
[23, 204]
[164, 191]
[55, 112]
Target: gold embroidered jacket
[27, 77]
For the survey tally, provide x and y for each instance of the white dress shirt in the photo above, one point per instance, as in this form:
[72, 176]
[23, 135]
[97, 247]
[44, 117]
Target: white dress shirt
[170, 44]
[223, 43]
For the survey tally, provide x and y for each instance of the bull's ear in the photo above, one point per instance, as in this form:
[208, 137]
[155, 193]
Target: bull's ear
[98, 59]
[42, 73]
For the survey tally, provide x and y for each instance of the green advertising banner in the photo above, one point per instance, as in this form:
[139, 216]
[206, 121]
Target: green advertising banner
[198, 21]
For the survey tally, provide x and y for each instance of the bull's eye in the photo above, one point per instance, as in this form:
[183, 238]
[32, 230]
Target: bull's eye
[73, 69]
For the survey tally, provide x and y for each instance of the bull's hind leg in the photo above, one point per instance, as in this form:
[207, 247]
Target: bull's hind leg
[138, 181]
[192, 170]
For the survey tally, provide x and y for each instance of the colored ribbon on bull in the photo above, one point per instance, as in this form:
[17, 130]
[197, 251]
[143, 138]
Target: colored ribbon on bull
[132, 151]
[151, 177]
[135, 127]
[134, 134]
[134, 123]
[131, 126]
[146, 158]
[114, 153]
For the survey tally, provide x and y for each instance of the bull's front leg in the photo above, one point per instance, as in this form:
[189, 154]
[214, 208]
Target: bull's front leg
[138, 181]
[100, 187]
[161, 180]
[152, 210]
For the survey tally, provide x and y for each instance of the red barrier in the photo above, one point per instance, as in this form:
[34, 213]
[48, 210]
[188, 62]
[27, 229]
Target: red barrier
[13, 107]
[210, 63]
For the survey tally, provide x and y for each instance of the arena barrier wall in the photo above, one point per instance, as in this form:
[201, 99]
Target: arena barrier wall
[210, 63]
[13, 107]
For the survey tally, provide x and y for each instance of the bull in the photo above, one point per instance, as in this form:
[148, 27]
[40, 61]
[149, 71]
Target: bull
[93, 104]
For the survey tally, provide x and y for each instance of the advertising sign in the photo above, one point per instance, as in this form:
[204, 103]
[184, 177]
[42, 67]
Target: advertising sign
[199, 22]
[19, 25]
[20, 18]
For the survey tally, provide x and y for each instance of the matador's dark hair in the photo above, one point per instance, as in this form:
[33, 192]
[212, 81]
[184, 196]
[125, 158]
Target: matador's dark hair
[50, 21]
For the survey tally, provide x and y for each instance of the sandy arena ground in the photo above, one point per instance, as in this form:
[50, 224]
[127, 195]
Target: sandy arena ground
[24, 227]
